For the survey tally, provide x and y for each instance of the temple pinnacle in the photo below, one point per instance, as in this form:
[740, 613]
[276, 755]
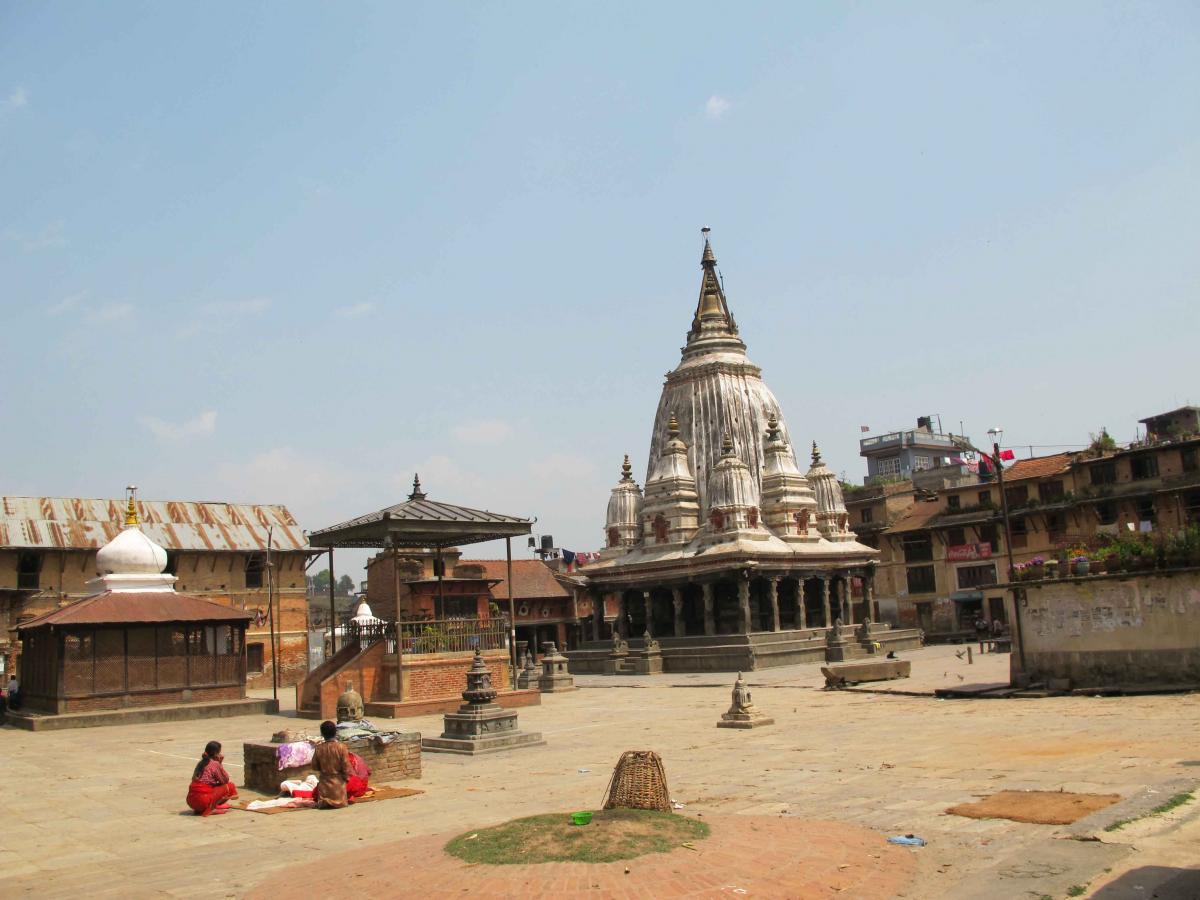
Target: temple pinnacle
[726, 445]
[417, 493]
[673, 427]
[772, 428]
[131, 516]
[816, 455]
[626, 470]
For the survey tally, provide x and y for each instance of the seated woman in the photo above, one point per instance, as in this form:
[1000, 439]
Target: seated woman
[331, 759]
[356, 784]
[210, 786]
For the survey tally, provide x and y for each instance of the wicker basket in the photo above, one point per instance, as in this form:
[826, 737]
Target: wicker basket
[638, 782]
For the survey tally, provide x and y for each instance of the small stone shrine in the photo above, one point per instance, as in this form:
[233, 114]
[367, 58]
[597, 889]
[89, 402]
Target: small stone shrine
[555, 677]
[528, 677]
[481, 725]
[742, 712]
[350, 705]
[837, 643]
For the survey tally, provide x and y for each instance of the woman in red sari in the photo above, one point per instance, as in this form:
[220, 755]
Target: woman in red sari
[356, 783]
[210, 786]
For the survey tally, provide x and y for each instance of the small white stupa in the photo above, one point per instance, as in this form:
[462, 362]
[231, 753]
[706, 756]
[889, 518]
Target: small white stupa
[363, 614]
[131, 562]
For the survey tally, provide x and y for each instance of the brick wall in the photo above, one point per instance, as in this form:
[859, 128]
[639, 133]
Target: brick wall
[396, 761]
[365, 670]
[436, 676]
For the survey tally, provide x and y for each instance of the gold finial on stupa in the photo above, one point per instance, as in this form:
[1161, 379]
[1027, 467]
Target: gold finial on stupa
[131, 516]
[816, 455]
[673, 427]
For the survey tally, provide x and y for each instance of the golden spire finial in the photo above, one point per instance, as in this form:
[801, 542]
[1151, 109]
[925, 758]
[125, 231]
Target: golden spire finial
[131, 516]
[816, 455]
[673, 427]
[626, 470]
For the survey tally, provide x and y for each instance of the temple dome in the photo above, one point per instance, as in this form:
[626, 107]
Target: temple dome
[732, 493]
[130, 553]
[131, 562]
[715, 390]
[622, 525]
[363, 615]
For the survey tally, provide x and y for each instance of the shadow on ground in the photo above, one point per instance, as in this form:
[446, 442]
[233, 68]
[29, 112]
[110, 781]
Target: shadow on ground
[1153, 883]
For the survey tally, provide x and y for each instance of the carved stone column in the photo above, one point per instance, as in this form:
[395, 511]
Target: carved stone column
[801, 610]
[869, 596]
[825, 600]
[622, 624]
[649, 607]
[744, 603]
[677, 602]
[847, 599]
[773, 596]
[710, 626]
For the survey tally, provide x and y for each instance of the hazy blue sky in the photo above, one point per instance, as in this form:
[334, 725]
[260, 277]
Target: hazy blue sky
[294, 252]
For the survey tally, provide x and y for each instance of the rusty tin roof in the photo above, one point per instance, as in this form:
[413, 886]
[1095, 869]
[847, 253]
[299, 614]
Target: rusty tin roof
[125, 607]
[71, 523]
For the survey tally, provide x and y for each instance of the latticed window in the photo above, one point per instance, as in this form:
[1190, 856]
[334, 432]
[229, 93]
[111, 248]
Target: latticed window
[78, 662]
[142, 659]
[172, 656]
[110, 661]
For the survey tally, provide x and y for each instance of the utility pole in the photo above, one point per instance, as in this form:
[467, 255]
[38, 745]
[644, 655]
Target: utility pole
[271, 619]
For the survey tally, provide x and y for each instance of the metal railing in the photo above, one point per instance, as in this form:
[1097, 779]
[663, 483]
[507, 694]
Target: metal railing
[452, 635]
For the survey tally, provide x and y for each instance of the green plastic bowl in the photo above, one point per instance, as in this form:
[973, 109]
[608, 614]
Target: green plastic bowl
[581, 818]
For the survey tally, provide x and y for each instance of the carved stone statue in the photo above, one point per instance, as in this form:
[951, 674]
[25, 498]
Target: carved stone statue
[651, 643]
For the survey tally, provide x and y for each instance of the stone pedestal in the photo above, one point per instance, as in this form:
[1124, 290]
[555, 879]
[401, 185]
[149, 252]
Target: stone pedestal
[742, 711]
[481, 725]
[647, 660]
[528, 677]
[555, 677]
[616, 663]
[837, 643]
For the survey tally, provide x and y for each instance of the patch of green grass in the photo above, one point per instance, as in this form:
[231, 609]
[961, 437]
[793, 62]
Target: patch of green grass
[1175, 802]
[611, 835]
[1076, 890]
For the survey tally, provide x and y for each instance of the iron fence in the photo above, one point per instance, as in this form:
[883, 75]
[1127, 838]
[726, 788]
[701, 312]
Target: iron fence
[453, 635]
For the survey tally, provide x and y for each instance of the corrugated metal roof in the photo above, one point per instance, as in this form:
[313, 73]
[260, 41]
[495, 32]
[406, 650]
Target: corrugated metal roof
[421, 523]
[122, 608]
[917, 518]
[79, 524]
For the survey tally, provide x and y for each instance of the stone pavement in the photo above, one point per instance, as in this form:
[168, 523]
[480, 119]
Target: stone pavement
[100, 811]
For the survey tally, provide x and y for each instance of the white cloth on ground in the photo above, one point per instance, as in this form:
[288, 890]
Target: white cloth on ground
[292, 785]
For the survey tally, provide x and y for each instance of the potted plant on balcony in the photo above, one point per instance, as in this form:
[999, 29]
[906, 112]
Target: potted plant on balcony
[1037, 568]
[1051, 568]
[1080, 565]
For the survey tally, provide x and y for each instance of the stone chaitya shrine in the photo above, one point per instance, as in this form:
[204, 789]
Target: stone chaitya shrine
[731, 559]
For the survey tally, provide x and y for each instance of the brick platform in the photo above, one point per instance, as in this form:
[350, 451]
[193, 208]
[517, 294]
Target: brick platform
[31, 720]
[753, 856]
[396, 761]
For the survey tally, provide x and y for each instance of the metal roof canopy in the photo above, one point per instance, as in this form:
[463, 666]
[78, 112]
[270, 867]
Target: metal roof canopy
[419, 522]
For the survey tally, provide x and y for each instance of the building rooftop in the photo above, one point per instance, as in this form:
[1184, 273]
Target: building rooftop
[158, 607]
[918, 517]
[531, 578]
[1039, 466]
[73, 523]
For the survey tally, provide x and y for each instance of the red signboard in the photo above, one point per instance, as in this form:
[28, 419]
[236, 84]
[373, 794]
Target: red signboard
[967, 552]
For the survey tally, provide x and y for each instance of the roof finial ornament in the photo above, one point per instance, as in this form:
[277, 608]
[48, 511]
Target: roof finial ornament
[709, 257]
[772, 428]
[816, 455]
[673, 427]
[626, 470]
[726, 445]
[131, 515]
[417, 493]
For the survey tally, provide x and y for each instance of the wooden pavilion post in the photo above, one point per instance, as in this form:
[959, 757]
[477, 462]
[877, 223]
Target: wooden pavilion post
[332, 610]
[512, 615]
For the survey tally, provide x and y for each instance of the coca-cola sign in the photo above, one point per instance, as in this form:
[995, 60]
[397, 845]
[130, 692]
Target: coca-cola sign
[967, 552]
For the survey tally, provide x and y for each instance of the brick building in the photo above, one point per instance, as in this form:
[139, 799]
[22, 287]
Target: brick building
[216, 551]
[545, 609]
[942, 552]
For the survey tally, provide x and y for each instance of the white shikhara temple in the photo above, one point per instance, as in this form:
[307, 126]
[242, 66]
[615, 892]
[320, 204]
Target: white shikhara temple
[731, 558]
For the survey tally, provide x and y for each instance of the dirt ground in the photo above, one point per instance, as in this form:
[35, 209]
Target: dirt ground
[1036, 807]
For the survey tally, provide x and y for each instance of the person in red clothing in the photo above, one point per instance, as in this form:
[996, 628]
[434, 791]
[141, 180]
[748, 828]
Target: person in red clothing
[356, 784]
[210, 786]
